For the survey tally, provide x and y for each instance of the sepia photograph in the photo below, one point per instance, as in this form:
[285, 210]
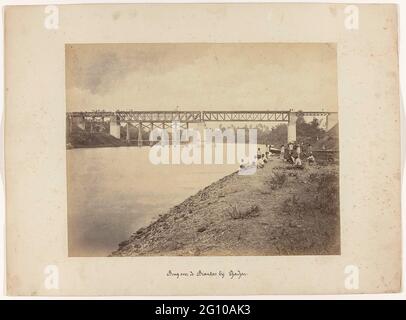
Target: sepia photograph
[202, 149]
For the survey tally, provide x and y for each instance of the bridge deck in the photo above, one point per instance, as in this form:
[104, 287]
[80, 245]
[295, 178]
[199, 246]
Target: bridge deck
[191, 116]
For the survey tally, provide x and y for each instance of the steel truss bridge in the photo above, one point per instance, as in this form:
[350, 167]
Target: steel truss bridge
[191, 116]
[163, 119]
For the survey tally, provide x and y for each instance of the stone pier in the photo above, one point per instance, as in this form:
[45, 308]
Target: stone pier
[115, 128]
[127, 137]
[140, 134]
[69, 123]
[200, 127]
[292, 127]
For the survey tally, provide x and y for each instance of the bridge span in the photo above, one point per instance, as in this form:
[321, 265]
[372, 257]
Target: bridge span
[163, 119]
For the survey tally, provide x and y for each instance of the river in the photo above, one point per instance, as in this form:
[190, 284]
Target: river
[112, 192]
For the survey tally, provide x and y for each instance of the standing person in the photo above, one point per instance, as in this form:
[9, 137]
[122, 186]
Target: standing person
[290, 146]
[295, 156]
[288, 153]
[303, 148]
[282, 156]
[298, 161]
[292, 154]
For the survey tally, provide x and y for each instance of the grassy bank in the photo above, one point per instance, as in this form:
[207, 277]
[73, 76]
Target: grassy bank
[279, 210]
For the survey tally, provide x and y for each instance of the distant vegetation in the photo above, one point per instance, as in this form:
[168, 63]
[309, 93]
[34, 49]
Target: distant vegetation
[306, 132]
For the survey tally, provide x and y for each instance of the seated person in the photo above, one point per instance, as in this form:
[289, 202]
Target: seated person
[247, 167]
[296, 157]
[298, 162]
[260, 162]
[282, 155]
[243, 165]
[259, 153]
[309, 155]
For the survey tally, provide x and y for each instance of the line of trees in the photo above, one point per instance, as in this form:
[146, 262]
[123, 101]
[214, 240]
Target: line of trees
[307, 132]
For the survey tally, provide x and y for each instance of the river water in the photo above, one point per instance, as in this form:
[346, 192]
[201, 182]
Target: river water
[112, 192]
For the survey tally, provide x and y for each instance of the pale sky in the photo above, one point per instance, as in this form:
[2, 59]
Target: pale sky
[247, 76]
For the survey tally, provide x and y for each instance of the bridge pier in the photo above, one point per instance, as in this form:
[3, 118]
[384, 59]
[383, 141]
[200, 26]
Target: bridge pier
[127, 137]
[115, 128]
[140, 134]
[69, 125]
[201, 126]
[151, 143]
[292, 127]
[186, 128]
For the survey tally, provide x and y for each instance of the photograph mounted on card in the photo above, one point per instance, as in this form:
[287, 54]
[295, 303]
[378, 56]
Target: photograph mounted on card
[172, 150]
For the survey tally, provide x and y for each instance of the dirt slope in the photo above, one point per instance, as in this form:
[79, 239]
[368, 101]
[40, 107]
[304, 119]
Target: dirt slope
[277, 211]
[330, 140]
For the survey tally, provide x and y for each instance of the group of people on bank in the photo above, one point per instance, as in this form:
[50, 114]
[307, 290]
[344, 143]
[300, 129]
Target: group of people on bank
[293, 153]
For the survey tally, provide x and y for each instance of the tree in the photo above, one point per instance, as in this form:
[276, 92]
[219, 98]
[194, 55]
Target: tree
[308, 132]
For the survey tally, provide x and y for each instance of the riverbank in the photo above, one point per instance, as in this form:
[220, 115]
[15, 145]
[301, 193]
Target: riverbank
[280, 210]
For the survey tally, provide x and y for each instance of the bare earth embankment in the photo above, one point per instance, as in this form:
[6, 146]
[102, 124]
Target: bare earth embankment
[280, 210]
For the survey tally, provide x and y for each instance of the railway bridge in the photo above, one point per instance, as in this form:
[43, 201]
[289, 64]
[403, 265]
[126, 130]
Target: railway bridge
[164, 119]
